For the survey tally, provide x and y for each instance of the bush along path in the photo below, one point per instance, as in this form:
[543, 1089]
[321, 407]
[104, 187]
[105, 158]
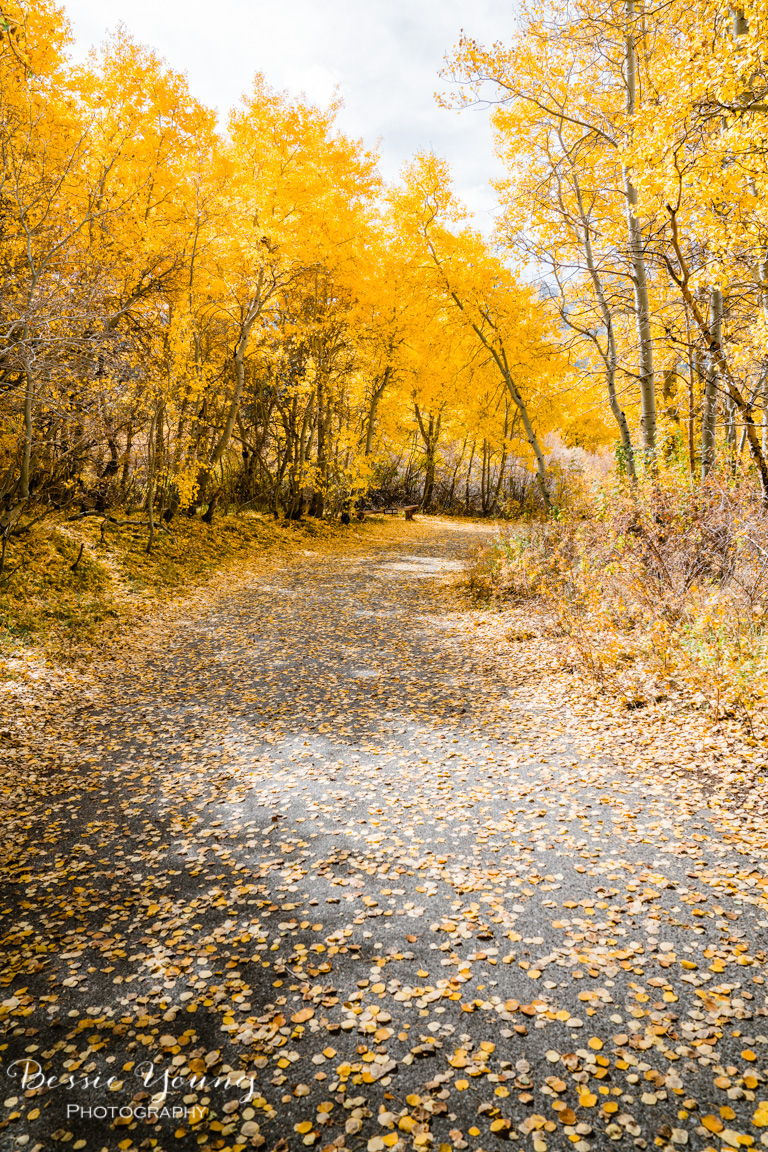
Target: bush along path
[332, 867]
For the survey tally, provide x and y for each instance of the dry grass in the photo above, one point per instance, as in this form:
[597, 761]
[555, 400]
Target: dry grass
[661, 591]
[67, 615]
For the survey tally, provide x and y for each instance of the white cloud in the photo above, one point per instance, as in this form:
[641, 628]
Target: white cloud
[383, 56]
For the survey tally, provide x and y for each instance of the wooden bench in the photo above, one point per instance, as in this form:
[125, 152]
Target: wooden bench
[409, 511]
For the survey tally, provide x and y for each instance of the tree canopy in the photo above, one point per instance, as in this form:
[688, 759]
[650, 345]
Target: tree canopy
[195, 311]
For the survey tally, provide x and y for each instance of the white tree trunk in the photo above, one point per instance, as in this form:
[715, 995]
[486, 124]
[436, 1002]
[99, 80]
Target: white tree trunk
[763, 274]
[637, 259]
[709, 420]
[610, 357]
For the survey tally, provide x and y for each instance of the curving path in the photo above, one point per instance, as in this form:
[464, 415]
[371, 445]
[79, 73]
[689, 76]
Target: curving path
[323, 869]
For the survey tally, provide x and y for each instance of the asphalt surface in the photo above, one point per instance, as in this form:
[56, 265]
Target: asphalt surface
[319, 874]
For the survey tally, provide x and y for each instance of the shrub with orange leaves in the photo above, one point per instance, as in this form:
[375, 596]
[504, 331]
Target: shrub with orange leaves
[661, 589]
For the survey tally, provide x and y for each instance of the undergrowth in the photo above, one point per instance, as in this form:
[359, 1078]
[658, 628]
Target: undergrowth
[658, 590]
[69, 607]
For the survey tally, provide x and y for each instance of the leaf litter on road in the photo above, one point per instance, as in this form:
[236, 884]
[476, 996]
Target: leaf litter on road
[321, 866]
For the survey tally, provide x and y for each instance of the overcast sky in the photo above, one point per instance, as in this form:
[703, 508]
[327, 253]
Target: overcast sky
[383, 56]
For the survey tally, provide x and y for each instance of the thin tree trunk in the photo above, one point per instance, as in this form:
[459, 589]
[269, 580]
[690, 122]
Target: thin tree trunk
[691, 399]
[729, 419]
[294, 503]
[318, 496]
[280, 470]
[499, 355]
[709, 419]
[26, 455]
[241, 348]
[763, 275]
[469, 475]
[126, 460]
[541, 464]
[639, 277]
[234, 406]
[484, 480]
[756, 391]
[611, 359]
[729, 408]
[160, 456]
[456, 472]
[306, 435]
[376, 395]
[500, 481]
[430, 436]
[740, 24]
[151, 486]
[408, 471]
[682, 278]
